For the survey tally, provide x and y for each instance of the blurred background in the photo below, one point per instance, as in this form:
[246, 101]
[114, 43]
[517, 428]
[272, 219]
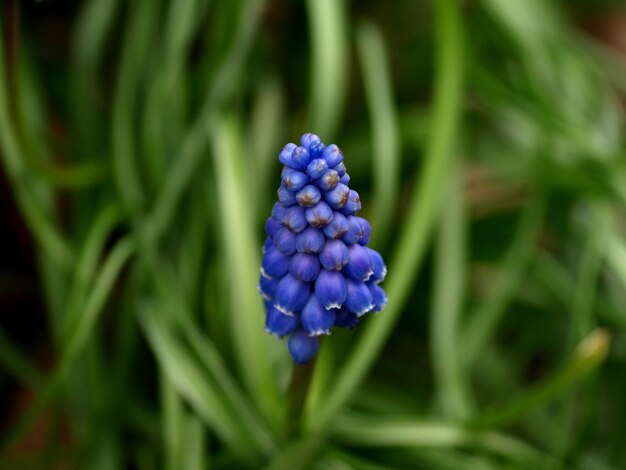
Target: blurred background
[139, 144]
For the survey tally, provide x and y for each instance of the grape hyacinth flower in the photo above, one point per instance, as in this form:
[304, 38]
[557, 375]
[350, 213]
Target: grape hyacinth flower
[317, 270]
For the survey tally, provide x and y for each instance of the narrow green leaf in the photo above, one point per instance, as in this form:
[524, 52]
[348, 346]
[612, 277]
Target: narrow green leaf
[329, 65]
[253, 348]
[385, 130]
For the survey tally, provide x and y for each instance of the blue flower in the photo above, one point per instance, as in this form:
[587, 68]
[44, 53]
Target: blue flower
[317, 271]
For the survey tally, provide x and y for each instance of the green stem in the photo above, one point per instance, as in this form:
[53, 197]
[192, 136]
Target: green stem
[296, 396]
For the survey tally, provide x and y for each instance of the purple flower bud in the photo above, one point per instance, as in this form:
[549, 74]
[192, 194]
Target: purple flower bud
[340, 169]
[267, 287]
[317, 168]
[304, 267]
[328, 180]
[285, 155]
[278, 212]
[367, 230]
[310, 240]
[345, 179]
[337, 197]
[272, 226]
[307, 139]
[274, 264]
[301, 158]
[345, 318]
[279, 324]
[378, 265]
[360, 266]
[358, 297]
[295, 219]
[319, 215]
[291, 295]
[353, 205]
[285, 197]
[267, 244]
[316, 320]
[308, 196]
[330, 289]
[316, 149]
[302, 347]
[337, 227]
[293, 180]
[355, 230]
[378, 296]
[285, 241]
[333, 155]
[334, 256]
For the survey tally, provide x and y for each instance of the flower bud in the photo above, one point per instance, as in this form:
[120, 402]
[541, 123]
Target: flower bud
[359, 266]
[378, 296]
[278, 212]
[285, 155]
[291, 295]
[353, 205]
[285, 241]
[337, 227]
[294, 180]
[304, 267]
[267, 287]
[319, 215]
[307, 139]
[338, 196]
[333, 155]
[345, 179]
[310, 240]
[316, 320]
[328, 180]
[317, 168]
[334, 256]
[330, 289]
[308, 196]
[355, 230]
[358, 297]
[295, 219]
[302, 347]
[285, 197]
[272, 226]
[277, 323]
[366, 229]
[274, 264]
[301, 158]
[340, 169]
[378, 265]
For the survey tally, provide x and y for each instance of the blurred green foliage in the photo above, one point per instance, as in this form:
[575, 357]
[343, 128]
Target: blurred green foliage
[487, 141]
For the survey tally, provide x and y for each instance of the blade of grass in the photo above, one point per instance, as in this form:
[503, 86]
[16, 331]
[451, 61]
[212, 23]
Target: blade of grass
[385, 131]
[75, 342]
[253, 349]
[43, 229]
[125, 167]
[450, 260]
[94, 26]
[172, 423]
[589, 355]
[397, 432]
[219, 92]
[195, 456]
[329, 65]
[166, 285]
[482, 322]
[182, 21]
[184, 373]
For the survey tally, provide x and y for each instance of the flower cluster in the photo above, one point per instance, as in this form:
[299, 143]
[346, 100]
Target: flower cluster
[317, 270]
